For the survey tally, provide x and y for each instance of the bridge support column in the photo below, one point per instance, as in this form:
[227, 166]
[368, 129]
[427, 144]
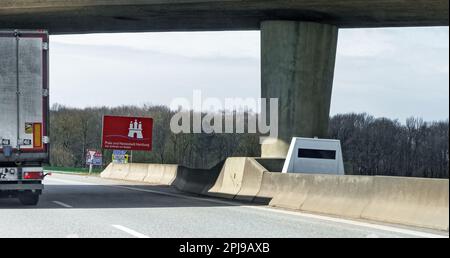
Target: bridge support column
[298, 60]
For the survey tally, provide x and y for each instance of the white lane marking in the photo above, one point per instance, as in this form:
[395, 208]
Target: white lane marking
[304, 215]
[62, 204]
[69, 182]
[358, 223]
[294, 213]
[130, 231]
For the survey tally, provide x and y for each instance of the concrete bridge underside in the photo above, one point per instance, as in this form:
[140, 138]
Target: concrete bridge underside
[298, 38]
[84, 16]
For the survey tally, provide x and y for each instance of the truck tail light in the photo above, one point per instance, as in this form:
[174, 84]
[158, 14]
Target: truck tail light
[31, 175]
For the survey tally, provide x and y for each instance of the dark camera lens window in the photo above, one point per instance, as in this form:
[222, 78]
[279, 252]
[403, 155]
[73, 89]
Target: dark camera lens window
[316, 154]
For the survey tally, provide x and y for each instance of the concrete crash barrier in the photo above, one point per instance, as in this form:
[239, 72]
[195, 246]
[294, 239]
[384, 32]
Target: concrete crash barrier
[240, 178]
[116, 171]
[137, 172]
[292, 190]
[269, 188]
[228, 184]
[107, 171]
[410, 201]
[161, 174]
[197, 181]
[251, 180]
[345, 196]
[169, 174]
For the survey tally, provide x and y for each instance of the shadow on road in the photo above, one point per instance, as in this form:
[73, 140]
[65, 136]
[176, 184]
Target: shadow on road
[118, 196]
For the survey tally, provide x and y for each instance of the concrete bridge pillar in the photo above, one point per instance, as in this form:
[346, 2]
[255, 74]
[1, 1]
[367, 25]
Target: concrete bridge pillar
[298, 60]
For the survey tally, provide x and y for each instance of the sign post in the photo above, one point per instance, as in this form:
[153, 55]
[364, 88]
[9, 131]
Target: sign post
[93, 158]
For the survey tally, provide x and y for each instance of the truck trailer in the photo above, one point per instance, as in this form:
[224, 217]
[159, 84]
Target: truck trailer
[24, 113]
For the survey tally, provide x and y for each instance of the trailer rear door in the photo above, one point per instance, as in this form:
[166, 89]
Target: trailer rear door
[23, 90]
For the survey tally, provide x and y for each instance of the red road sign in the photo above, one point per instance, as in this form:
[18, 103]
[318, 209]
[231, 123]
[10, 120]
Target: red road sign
[127, 133]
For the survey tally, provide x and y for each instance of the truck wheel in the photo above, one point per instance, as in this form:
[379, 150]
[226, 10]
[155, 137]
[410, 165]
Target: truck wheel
[29, 198]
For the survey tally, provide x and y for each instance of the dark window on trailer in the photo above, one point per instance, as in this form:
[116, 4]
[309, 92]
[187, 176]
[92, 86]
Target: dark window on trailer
[316, 154]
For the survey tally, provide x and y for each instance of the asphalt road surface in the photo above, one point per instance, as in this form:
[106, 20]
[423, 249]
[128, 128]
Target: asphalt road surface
[79, 206]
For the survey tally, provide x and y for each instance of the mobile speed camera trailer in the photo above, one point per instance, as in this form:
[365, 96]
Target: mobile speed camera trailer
[24, 113]
[314, 156]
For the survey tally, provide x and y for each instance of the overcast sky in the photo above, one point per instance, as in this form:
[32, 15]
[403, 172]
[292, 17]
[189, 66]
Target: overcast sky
[395, 73]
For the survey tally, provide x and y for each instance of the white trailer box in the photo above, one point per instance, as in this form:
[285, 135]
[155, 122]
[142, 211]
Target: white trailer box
[24, 111]
[314, 156]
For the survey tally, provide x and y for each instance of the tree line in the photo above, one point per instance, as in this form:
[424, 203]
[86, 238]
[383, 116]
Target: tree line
[381, 146]
[371, 146]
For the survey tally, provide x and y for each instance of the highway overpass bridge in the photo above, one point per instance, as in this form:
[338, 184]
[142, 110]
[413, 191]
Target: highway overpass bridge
[298, 38]
[87, 16]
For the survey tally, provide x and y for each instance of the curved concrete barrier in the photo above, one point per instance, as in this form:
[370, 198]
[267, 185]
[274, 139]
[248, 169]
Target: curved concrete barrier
[217, 186]
[251, 180]
[197, 180]
[230, 179]
[410, 201]
[269, 188]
